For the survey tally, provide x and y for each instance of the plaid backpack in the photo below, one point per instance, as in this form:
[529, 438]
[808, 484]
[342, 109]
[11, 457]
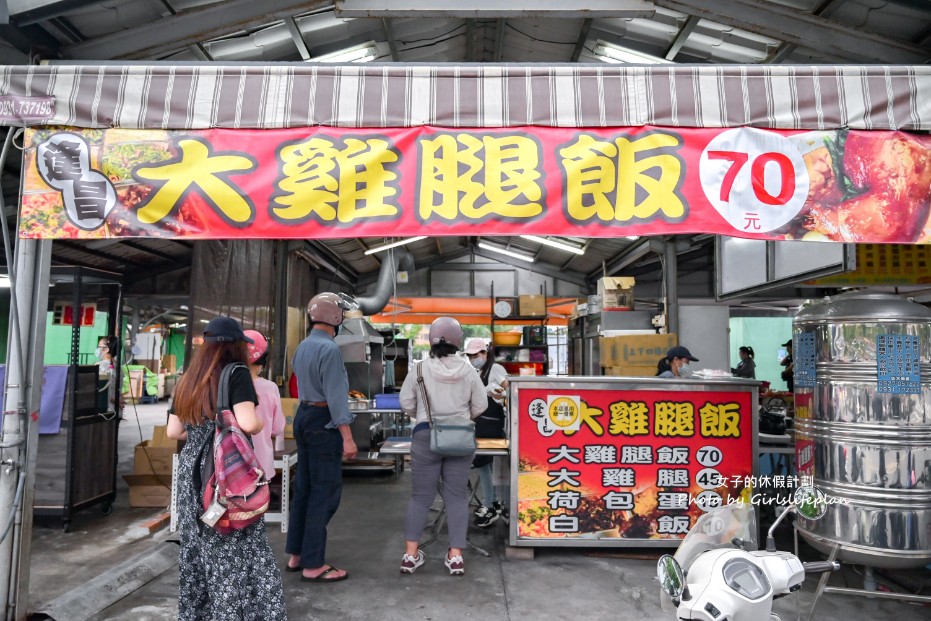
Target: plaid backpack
[234, 488]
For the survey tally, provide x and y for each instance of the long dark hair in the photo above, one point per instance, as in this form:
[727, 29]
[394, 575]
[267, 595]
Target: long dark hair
[196, 394]
[662, 366]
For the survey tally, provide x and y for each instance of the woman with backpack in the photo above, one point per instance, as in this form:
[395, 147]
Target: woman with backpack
[221, 577]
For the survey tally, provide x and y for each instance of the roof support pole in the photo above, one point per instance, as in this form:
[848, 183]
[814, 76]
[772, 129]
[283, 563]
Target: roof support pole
[671, 285]
[25, 364]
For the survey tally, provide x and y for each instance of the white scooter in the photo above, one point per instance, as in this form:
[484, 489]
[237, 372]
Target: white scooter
[718, 575]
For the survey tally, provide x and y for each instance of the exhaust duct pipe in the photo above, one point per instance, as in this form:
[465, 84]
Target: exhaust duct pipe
[396, 260]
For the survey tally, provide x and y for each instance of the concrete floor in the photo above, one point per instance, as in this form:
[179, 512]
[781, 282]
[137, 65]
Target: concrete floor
[365, 539]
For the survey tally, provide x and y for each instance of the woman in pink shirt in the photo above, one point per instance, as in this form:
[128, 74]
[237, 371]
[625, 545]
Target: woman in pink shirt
[269, 407]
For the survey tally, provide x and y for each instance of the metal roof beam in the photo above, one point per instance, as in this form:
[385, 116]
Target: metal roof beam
[580, 42]
[802, 29]
[39, 10]
[577, 279]
[389, 35]
[494, 8]
[200, 52]
[98, 253]
[176, 32]
[156, 253]
[297, 37]
[681, 37]
[499, 39]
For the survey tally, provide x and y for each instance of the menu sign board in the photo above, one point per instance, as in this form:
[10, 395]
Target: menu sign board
[628, 464]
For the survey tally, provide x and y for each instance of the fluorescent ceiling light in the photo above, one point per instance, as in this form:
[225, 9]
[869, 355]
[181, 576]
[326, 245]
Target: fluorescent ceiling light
[4, 282]
[610, 53]
[395, 244]
[555, 244]
[505, 251]
[363, 53]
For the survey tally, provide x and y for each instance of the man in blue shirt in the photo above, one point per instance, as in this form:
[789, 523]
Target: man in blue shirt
[323, 437]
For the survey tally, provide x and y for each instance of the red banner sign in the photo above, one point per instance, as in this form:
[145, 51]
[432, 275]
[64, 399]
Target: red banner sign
[332, 182]
[633, 464]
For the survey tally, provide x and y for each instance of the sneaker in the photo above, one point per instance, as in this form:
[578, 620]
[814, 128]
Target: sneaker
[455, 565]
[409, 564]
[502, 511]
[485, 517]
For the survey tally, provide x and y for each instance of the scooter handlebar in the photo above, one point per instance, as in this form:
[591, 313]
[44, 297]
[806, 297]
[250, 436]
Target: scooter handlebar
[820, 567]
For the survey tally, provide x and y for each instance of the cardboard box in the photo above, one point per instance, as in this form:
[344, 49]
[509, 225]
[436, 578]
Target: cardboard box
[136, 382]
[170, 363]
[635, 350]
[160, 438]
[152, 364]
[617, 292]
[532, 306]
[148, 490]
[633, 370]
[289, 406]
[149, 459]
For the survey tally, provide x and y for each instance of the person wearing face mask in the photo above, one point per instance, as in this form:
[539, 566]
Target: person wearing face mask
[679, 358]
[106, 355]
[490, 424]
[106, 373]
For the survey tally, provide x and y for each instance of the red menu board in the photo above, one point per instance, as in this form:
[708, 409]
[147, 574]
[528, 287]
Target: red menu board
[629, 464]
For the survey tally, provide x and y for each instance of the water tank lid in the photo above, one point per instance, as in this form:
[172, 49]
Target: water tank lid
[863, 305]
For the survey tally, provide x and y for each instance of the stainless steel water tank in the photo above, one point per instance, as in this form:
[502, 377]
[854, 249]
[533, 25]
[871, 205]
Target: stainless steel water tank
[871, 451]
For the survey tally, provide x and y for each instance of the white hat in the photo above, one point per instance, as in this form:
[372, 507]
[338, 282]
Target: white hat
[475, 345]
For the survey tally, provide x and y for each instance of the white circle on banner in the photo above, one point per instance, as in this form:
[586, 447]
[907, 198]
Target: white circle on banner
[709, 456]
[708, 500]
[709, 478]
[757, 180]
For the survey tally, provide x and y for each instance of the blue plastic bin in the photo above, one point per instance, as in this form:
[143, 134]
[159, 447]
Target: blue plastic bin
[388, 401]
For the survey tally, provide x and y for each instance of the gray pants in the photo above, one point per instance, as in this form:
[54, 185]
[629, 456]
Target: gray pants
[428, 469]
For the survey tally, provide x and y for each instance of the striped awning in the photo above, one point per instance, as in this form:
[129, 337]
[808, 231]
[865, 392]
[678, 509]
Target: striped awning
[393, 95]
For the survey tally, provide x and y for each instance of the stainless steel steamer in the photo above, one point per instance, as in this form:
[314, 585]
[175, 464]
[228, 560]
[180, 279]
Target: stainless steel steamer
[872, 451]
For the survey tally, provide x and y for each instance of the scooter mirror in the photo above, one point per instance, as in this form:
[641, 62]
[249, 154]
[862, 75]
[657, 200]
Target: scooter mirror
[810, 502]
[671, 578]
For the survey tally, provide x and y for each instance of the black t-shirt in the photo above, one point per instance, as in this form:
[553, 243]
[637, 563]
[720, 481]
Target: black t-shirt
[241, 387]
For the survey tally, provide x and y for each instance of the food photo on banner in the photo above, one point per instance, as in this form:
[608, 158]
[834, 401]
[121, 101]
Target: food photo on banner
[839, 185]
[630, 464]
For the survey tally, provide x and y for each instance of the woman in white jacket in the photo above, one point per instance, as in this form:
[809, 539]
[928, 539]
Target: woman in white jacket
[452, 386]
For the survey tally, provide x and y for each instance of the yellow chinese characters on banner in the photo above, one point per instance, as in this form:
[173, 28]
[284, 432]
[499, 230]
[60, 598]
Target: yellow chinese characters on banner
[473, 177]
[623, 180]
[631, 464]
[885, 264]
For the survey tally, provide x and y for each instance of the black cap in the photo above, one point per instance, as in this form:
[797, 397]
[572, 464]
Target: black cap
[680, 352]
[787, 343]
[224, 330]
